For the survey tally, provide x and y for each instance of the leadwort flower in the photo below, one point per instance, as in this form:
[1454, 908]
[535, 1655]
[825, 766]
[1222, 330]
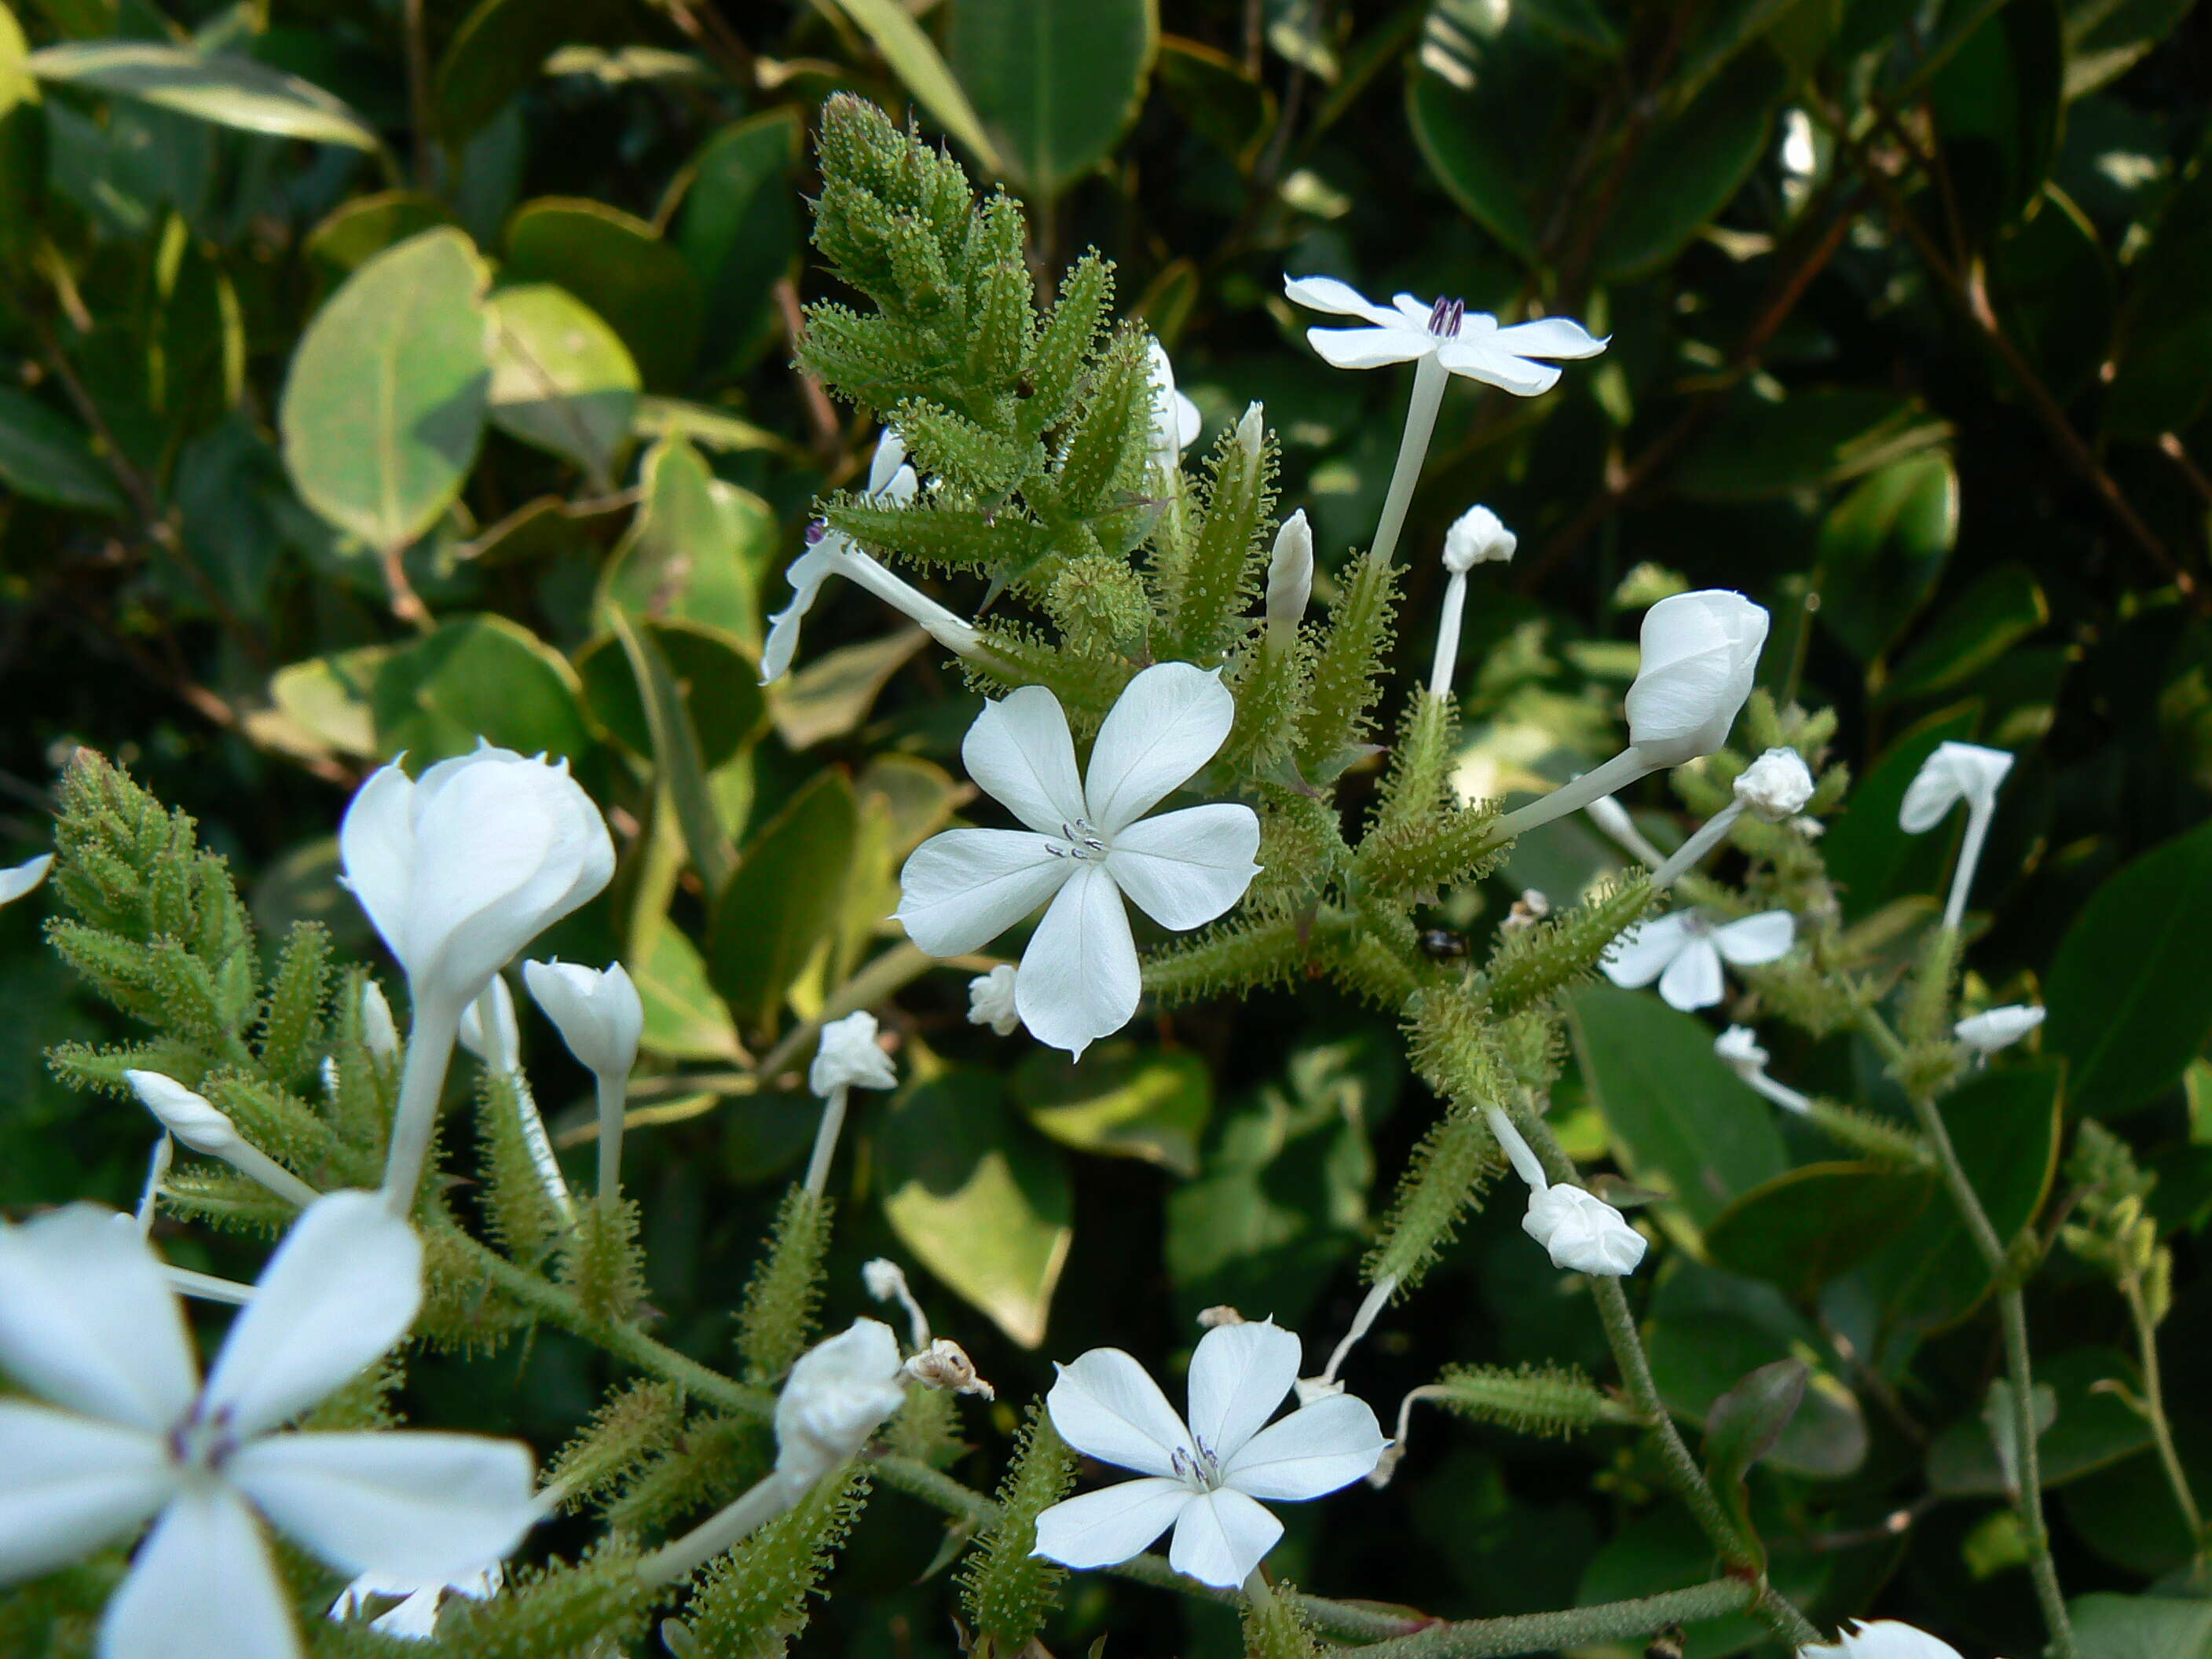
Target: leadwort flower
[1088, 846]
[1998, 1028]
[1953, 773]
[1885, 1638]
[848, 1058]
[600, 1015]
[1684, 950]
[1579, 1230]
[1175, 419]
[991, 999]
[1204, 1478]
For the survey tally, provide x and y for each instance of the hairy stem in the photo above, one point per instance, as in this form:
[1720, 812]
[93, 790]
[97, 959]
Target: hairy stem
[1572, 1628]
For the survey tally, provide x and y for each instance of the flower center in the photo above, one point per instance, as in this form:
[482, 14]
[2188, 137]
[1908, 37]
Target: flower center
[1198, 1468]
[203, 1441]
[1445, 317]
[1079, 841]
[1695, 925]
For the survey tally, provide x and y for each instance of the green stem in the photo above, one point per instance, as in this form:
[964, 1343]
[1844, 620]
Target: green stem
[2162, 1429]
[1573, 1628]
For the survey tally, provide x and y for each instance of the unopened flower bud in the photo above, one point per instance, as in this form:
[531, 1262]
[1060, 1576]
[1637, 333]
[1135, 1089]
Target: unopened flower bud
[1698, 653]
[1477, 536]
[1776, 786]
[1738, 1049]
[849, 1057]
[1289, 579]
[991, 1000]
[1252, 429]
[1998, 1028]
[379, 1034]
[190, 1117]
[597, 1011]
[944, 1365]
[1582, 1233]
[836, 1395]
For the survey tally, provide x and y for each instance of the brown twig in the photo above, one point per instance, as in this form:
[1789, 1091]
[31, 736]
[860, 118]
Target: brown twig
[820, 413]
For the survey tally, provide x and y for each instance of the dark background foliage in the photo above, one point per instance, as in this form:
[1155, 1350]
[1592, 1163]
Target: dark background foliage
[1912, 342]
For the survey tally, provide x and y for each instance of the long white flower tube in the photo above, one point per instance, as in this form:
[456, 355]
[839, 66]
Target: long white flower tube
[1738, 1049]
[1440, 340]
[1953, 773]
[1087, 847]
[1203, 1477]
[600, 1015]
[1476, 536]
[195, 1121]
[458, 870]
[129, 1433]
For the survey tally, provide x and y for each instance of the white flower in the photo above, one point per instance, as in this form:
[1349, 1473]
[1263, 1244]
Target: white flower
[1203, 1477]
[1698, 652]
[991, 999]
[1175, 419]
[1953, 773]
[1998, 1028]
[836, 1395]
[1583, 1233]
[1289, 579]
[1684, 950]
[1477, 536]
[850, 1058]
[1776, 786]
[1885, 1638]
[20, 879]
[460, 869]
[597, 1012]
[378, 1032]
[1469, 343]
[88, 1323]
[501, 1047]
[1085, 847]
[416, 1618]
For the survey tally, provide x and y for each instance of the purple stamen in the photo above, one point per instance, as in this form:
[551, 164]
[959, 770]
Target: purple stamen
[1445, 317]
[816, 531]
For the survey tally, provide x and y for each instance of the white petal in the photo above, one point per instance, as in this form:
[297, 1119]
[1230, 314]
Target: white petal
[340, 1291]
[1221, 1537]
[69, 1486]
[1106, 1405]
[1932, 792]
[1188, 422]
[1641, 954]
[1316, 1449]
[961, 888]
[1327, 293]
[1693, 980]
[1079, 980]
[805, 574]
[1020, 755]
[87, 1320]
[1183, 869]
[20, 879]
[1239, 1376]
[1549, 337]
[1106, 1528]
[1755, 940]
[888, 461]
[376, 850]
[1369, 347]
[202, 1587]
[1167, 723]
[1885, 1638]
[1477, 358]
[407, 1502]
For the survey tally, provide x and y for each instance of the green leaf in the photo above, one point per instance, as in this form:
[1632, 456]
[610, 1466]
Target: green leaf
[979, 1198]
[1476, 79]
[1872, 861]
[1121, 1100]
[2093, 1428]
[2130, 1004]
[1215, 97]
[1055, 82]
[358, 230]
[1691, 167]
[17, 84]
[1680, 1119]
[2053, 286]
[833, 694]
[677, 768]
[332, 699]
[694, 552]
[1996, 103]
[2107, 1625]
[717, 678]
[2163, 373]
[502, 46]
[228, 91]
[1882, 548]
[48, 458]
[1807, 1224]
[616, 265]
[737, 228]
[2003, 607]
[783, 900]
[478, 677]
[1762, 447]
[915, 61]
[684, 1017]
[560, 378]
[2103, 39]
[1744, 1425]
[384, 406]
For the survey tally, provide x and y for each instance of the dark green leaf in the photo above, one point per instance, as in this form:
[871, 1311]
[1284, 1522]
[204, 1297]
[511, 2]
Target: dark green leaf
[679, 771]
[1216, 98]
[783, 900]
[738, 226]
[1805, 1226]
[500, 47]
[49, 459]
[1477, 78]
[1997, 105]
[921, 70]
[477, 677]
[2092, 1427]
[718, 679]
[2112, 1626]
[1743, 1426]
[1055, 82]
[1691, 167]
[1882, 548]
[2003, 607]
[1761, 447]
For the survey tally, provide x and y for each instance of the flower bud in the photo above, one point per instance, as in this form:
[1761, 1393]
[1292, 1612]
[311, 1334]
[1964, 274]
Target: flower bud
[836, 1396]
[850, 1058]
[1252, 429]
[501, 1047]
[1289, 579]
[188, 1116]
[944, 1365]
[991, 1000]
[1699, 652]
[1738, 1049]
[597, 1012]
[1175, 419]
[1998, 1028]
[1953, 773]
[1582, 1233]
[1477, 536]
[460, 869]
[1776, 786]
[379, 1033]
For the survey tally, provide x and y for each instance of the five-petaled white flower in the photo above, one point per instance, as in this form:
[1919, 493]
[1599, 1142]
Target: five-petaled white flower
[1469, 343]
[1885, 1638]
[991, 999]
[88, 1322]
[1684, 950]
[1088, 844]
[18, 879]
[1998, 1028]
[1203, 1477]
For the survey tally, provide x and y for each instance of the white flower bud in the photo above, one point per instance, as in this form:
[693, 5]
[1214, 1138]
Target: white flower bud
[1252, 429]
[1582, 1233]
[836, 1395]
[1289, 579]
[1738, 1049]
[1477, 536]
[190, 1117]
[1776, 786]
[1699, 652]
[501, 1047]
[598, 1013]
[848, 1057]
[379, 1032]
[1953, 773]
[991, 1000]
[1998, 1028]
[1175, 419]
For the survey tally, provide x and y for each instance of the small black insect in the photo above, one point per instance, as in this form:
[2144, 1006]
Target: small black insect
[1442, 944]
[1668, 1644]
